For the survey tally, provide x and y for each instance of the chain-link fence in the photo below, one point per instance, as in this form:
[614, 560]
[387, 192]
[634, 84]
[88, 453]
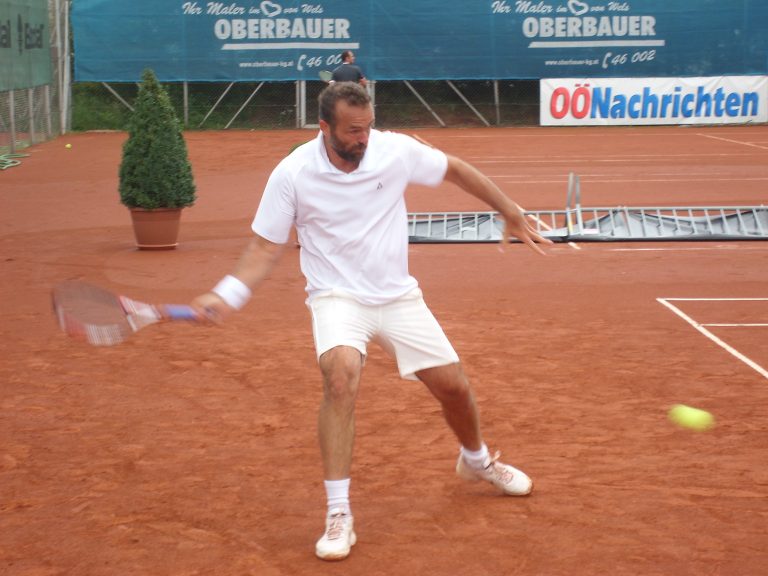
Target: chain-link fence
[36, 114]
[28, 116]
[275, 105]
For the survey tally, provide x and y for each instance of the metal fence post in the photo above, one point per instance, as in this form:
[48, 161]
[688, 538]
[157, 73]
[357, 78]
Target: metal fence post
[12, 120]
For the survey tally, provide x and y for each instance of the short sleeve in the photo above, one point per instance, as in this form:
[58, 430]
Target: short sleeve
[426, 165]
[277, 210]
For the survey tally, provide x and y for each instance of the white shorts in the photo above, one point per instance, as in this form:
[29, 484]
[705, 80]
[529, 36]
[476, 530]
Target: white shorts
[405, 329]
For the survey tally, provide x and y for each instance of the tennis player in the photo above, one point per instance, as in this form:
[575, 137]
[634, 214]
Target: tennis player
[344, 192]
[348, 71]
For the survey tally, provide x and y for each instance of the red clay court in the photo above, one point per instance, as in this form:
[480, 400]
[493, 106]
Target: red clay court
[192, 450]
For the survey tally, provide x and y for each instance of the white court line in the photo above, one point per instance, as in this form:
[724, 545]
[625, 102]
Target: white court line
[738, 247]
[752, 364]
[487, 159]
[737, 325]
[585, 160]
[701, 249]
[591, 181]
[576, 132]
[582, 175]
[734, 141]
[716, 299]
[676, 175]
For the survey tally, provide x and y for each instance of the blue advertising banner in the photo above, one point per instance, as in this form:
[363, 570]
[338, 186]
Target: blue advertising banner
[252, 40]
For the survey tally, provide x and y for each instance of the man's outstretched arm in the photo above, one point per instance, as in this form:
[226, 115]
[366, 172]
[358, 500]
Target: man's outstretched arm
[471, 180]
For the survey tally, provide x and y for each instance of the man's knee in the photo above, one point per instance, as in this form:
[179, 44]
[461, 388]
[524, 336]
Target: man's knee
[446, 381]
[341, 368]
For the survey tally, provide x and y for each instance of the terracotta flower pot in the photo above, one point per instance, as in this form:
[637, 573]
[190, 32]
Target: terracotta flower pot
[156, 229]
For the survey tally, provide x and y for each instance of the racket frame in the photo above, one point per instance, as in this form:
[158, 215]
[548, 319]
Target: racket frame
[132, 315]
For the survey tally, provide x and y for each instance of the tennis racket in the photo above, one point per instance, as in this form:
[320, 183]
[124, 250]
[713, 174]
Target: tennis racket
[325, 75]
[102, 318]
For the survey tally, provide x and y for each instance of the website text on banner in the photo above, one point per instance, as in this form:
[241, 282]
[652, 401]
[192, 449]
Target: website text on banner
[636, 101]
[276, 40]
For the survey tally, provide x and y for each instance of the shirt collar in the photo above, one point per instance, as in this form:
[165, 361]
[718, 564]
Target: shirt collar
[324, 163]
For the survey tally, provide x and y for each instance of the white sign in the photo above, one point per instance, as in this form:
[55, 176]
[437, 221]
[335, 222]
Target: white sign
[637, 101]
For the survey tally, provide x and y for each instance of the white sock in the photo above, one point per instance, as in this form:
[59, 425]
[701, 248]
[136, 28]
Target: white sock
[337, 492]
[476, 459]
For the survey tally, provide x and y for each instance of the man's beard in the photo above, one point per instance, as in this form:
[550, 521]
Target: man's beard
[353, 155]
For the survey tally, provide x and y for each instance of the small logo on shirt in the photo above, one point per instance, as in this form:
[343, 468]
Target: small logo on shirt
[380, 186]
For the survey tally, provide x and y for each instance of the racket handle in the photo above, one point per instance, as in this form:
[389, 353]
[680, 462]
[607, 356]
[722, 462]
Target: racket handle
[179, 312]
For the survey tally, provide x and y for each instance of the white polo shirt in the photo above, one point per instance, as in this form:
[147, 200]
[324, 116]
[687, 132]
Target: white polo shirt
[353, 228]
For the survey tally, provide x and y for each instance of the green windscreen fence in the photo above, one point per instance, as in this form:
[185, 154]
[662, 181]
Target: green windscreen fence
[25, 58]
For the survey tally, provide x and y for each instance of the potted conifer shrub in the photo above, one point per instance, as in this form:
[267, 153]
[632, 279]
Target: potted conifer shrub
[155, 178]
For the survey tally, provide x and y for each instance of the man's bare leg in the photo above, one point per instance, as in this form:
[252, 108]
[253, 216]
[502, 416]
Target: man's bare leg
[452, 389]
[341, 368]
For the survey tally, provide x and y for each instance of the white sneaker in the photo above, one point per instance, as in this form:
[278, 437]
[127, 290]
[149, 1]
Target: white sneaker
[339, 535]
[506, 478]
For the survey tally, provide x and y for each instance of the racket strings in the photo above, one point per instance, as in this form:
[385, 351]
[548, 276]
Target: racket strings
[104, 335]
[97, 335]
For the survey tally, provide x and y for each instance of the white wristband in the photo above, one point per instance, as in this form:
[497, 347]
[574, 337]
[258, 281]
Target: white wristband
[233, 291]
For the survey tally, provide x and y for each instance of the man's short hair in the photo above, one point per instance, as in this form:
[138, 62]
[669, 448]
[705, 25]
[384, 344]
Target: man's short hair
[345, 55]
[350, 92]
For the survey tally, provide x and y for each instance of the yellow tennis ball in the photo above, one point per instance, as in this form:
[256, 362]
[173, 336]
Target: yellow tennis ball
[67, 145]
[693, 418]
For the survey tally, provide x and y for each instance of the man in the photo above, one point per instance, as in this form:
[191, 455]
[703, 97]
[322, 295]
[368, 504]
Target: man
[344, 192]
[347, 71]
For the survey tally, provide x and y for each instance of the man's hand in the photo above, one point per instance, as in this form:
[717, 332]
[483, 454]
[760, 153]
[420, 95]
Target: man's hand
[516, 225]
[210, 308]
